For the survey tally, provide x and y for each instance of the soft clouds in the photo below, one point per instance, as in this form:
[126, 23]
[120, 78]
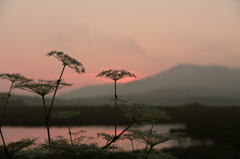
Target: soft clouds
[144, 37]
[126, 46]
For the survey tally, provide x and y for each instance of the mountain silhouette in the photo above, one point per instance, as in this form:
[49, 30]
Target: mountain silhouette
[182, 81]
[180, 85]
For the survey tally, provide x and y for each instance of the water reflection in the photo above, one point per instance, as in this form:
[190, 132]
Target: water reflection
[17, 133]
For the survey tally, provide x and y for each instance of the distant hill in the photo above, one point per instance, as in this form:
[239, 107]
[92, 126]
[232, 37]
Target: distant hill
[181, 80]
[182, 84]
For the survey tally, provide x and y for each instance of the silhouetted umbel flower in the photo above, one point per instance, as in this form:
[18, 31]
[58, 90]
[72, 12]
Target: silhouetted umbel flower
[42, 87]
[154, 138]
[14, 77]
[68, 61]
[115, 74]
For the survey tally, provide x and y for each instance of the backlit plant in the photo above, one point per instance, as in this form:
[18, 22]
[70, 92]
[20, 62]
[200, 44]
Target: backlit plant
[67, 115]
[15, 147]
[66, 61]
[78, 146]
[115, 75]
[15, 78]
[42, 88]
[138, 113]
[151, 138]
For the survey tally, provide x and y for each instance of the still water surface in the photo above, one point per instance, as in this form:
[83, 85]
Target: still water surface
[17, 133]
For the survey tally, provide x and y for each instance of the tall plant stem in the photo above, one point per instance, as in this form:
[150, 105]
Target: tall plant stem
[4, 109]
[115, 138]
[46, 115]
[49, 112]
[150, 132]
[58, 82]
[132, 146]
[149, 152]
[69, 131]
[115, 109]
[46, 121]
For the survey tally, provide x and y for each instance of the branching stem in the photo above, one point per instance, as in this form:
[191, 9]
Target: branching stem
[69, 131]
[4, 109]
[58, 82]
[150, 132]
[149, 152]
[115, 138]
[115, 109]
[46, 119]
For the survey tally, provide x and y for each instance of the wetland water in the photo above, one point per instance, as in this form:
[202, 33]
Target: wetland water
[17, 133]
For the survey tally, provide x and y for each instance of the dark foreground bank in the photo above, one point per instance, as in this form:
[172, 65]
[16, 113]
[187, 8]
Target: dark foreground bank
[218, 124]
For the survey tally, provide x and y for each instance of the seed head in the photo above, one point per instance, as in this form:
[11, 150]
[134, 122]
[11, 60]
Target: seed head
[14, 77]
[68, 61]
[152, 138]
[42, 87]
[115, 74]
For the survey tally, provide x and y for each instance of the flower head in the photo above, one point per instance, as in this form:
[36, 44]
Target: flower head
[152, 138]
[115, 74]
[42, 87]
[14, 77]
[68, 61]
[66, 114]
[142, 113]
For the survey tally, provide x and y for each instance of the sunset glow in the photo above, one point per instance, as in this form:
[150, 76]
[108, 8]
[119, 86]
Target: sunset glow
[143, 37]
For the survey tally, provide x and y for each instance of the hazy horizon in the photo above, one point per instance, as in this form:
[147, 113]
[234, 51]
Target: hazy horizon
[143, 37]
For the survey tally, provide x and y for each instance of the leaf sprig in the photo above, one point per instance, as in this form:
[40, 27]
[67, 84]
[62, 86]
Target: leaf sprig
[142, 113]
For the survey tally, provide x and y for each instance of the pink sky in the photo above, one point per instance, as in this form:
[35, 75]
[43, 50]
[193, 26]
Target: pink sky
[143, 37]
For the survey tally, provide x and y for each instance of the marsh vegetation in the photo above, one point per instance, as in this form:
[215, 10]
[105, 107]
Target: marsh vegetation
[77, 145]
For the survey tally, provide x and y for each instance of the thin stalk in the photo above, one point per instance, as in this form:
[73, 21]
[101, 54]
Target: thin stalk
[69, 131]
[115, 86]
[115, 138]
[46, 121]
[132, 146]
[49, 112]
[58, 82]
[150, 132]
[46, 118]
[4, 144]
[4, 109]
[149, 152]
